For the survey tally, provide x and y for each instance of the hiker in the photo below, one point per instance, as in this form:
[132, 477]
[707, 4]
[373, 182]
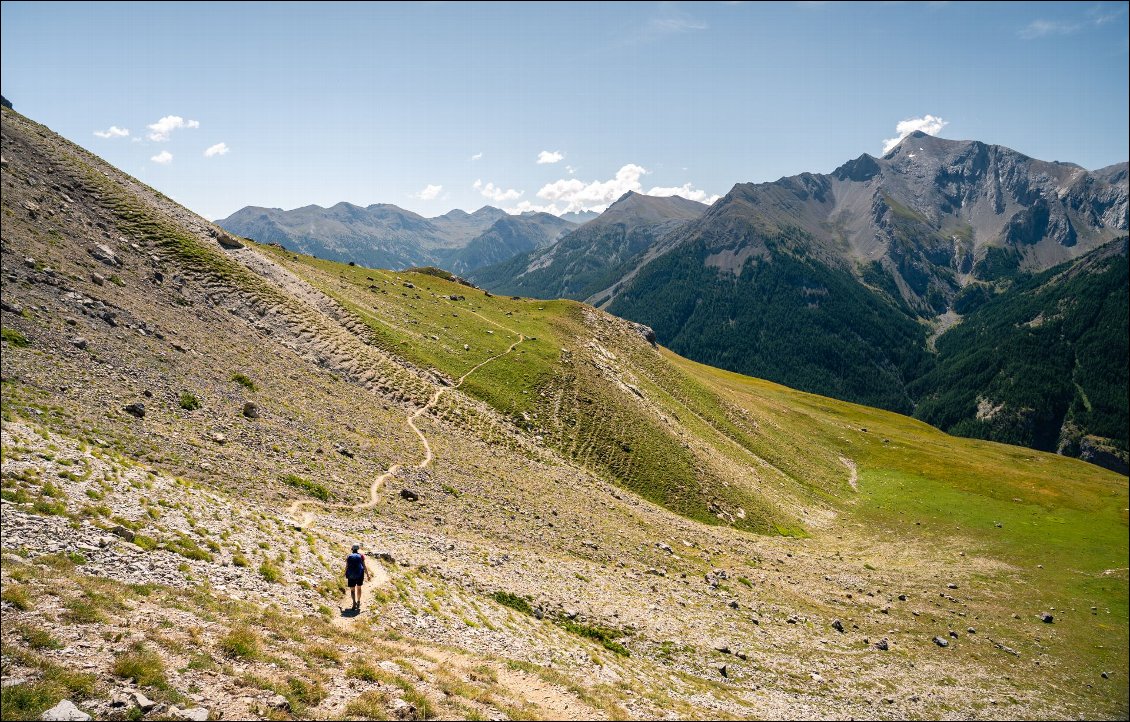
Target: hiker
[356, 572]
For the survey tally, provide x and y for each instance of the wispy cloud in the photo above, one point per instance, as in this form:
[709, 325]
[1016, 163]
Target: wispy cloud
[429, 193]
[477, 156]
[570, 169]
[163, 158]
[550, 156]
[928, 124]
[217, 149]
[161, 130]
[113, 132]
[1043, 28]
[495, 193]
[1103, 14]
[669, 20]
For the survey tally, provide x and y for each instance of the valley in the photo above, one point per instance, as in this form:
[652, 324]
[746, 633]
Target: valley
[570, 520]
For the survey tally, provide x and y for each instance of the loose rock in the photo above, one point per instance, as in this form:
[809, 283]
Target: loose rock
[65, 710]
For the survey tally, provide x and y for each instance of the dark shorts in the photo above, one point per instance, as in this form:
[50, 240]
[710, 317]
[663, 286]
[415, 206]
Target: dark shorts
[355, 582]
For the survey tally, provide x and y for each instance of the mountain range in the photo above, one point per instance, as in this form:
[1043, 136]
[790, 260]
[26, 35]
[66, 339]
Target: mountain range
[854, 285]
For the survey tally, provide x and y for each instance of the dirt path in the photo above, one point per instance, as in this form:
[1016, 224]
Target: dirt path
[854, 471]
[307, 517]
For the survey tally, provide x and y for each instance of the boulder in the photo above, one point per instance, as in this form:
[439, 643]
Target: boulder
[251, 410]
[65, 710]
[224, 239]
[941, 641]
[136, 409]
[124, 533]
[105, 254]
[838, 625]
[409, 495]
[193, 714]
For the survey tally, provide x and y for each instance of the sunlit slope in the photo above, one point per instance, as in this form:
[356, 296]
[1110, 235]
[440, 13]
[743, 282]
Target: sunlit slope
[1057, 525]
[591, 387]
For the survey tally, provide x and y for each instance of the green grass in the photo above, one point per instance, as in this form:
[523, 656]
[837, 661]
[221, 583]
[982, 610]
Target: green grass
[270, 572]
[14, 338]
[241, 643]
[18, 596]
[312, 488]
[513, 601]
[143, 665]
[244, 381]
[189, 401]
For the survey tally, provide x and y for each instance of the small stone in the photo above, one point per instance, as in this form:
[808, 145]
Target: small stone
[65, 710]
[142, 701]
[409, 495]
[1106, 675]
[278, 702]
[953, 634]
[722, 647]
[1047, 618]
[79, 342]
[401, 709]
[970, 630]
[251, 410]
[902, 597]
[136, 409]
[124, 533]
[193, 714]
[98, 279]
[105, 254]
[951, 585]
[723, 670]
[882, 645]
[219, 438]
[941, 641]
[838, 626]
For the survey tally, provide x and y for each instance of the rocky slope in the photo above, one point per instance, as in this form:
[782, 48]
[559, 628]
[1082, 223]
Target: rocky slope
[170, 391]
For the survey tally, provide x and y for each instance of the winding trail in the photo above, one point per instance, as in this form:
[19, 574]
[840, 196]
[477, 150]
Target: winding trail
[307, 518]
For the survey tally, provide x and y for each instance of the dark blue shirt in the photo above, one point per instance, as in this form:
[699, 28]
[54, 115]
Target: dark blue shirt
[354, 566]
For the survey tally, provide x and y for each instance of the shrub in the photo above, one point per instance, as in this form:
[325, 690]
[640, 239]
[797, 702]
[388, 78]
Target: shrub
[606, 637]
[271, 572]
[239, 560]
[143, 665]
[240, 643]
[15, 338]
[513, 601]
[189, 402]
[17, 596]
[37, 638]
[314, 489]
[244, 381]
[369, 705]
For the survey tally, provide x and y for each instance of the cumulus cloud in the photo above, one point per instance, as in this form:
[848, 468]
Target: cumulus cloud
[571, 194]
[928, 124]
[113, 132]
[549, 156]
[429, 193]
[164, 158]
[529, 207]
[217, 149]
[476, 156]
[576, 195]
[688, 191]
[495, 193]
[161, 130]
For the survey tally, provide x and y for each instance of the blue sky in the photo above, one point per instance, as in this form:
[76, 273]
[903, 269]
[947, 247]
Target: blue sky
[434, 106]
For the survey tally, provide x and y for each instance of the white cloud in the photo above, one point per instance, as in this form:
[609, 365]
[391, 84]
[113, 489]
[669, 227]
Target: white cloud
[570, 169]
[477, 156]
[217, 149]
[548, 156]
[429, 193]
[597, 195]
[688, 191]
[160, 130]
[164, 158]
[1044, 28]
[496, 194]
[928, 124]
[113, 132]
[528, 207]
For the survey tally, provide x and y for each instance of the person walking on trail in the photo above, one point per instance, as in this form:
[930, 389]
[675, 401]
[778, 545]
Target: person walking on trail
[356, 572]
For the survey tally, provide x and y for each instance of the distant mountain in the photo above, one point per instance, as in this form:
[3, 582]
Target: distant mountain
[601, 253]
[579, 217]
[380, 235]
[844, 284]
[508, 237]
